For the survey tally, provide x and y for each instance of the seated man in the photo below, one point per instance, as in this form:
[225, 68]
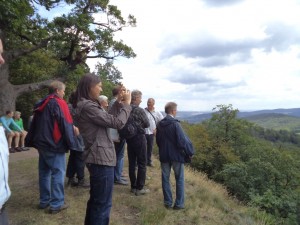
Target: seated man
[6, 121]
[18, 120]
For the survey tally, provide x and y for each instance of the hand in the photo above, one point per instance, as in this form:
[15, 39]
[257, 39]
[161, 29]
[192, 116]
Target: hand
[76, 130]
[126, 96]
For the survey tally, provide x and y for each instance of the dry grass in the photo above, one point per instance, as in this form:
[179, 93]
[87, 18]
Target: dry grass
[206, 202]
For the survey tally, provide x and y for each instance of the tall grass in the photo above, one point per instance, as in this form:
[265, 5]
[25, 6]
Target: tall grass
[207, 203]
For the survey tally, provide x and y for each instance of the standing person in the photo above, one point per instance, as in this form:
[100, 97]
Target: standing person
[137, 146]
[154, 117]
[119, 143]
[18, 120]
[100, 158]
[52, 133]
[7, 121]
[4, 156]
[104, 102]
[76, 162]
[174, 147]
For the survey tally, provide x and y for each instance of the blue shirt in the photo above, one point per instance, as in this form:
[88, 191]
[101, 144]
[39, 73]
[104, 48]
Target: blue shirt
[7, 121]
[4, 153]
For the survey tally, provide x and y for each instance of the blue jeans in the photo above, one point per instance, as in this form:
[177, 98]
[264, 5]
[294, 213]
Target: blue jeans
[52, 169]
[166, 186]
[119, 147]
[100, 202]
[150, 140]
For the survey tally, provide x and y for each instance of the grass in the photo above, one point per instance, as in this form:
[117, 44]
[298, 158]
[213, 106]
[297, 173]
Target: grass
[207, 203]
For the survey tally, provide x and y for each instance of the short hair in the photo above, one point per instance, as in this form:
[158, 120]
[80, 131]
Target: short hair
[102, 98]
[115, 91]
[56, 85]
[83, 88]
[169, 107]
[135, 94]
[17, 113]
[8, 112]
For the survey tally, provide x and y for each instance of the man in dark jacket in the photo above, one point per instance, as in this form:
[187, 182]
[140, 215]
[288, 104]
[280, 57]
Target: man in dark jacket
[52, 133]
[175, 149]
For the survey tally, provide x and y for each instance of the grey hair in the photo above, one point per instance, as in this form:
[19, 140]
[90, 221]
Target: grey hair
[103, 98]
[135, 94]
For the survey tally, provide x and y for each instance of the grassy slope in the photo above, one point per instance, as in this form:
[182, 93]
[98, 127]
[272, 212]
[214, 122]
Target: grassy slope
[206, 202]
[276, 121]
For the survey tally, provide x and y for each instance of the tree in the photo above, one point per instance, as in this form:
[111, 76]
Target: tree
[56, 48]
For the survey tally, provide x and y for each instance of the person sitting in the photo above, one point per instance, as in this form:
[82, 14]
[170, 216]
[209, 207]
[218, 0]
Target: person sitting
[6, 121]
[18, 120]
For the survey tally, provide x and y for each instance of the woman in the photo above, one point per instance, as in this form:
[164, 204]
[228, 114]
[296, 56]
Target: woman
[100, 158]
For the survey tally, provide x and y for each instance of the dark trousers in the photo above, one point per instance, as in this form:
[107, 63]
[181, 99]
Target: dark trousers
[75, 165]
[100, 202]
[3, 217]
[136, 148]
[150, 140]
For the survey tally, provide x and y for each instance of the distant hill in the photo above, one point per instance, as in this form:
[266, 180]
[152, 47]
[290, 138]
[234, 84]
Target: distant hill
[287, 119]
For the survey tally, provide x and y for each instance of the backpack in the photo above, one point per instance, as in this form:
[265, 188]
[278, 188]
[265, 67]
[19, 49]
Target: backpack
[130, 129]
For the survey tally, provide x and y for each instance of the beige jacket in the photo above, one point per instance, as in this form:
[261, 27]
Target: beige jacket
[94, 123]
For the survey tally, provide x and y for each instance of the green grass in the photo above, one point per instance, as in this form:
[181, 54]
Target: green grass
[207, 203]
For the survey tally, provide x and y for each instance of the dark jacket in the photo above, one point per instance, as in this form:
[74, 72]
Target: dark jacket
[94, 123]
[52, 126]
[140, 118]
[173, 143]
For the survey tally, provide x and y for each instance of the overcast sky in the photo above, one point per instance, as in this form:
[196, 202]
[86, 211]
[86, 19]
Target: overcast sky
[201, 53]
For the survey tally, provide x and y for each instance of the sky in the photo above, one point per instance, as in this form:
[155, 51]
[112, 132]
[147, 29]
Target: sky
[203, 53]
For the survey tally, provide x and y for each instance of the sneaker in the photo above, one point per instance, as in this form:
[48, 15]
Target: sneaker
[72, 182]
[18, 149]
[177, 207]
[39, 206]
[142, 192]
[25, 148]
[168, 206]
[83, 184]
[121, 182]
[12, 150]
[133, 190]
[55, 211]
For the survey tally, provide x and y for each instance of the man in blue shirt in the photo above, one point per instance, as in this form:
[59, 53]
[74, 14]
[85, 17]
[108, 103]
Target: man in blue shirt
[4, 188]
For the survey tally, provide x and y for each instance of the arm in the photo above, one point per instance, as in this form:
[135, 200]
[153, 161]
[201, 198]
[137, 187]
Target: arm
[144, 118]
[16, 125]
[5, 125]
[183, 141]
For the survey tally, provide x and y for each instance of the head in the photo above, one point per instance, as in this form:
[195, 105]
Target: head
[150, 103]
[116, 90]
[136, 97]
[171, 108]
[103, 101]
[1, 52]
[89, 87]
[9, 113]
[17, 115]
[58, 88]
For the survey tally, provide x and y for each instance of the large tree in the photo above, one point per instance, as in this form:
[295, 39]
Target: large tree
[38, 49]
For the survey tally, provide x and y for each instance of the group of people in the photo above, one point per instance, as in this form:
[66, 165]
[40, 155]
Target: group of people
[88, 126]
[14, 131]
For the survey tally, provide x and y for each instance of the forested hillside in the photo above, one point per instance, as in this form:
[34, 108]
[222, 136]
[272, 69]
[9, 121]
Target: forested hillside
[261, 167]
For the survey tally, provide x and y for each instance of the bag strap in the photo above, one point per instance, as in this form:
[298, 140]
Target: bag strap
[151, 115]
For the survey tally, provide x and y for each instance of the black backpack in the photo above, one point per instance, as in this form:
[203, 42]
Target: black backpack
[130, 129]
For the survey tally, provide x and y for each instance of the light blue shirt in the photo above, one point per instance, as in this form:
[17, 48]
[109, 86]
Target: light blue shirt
[6, 122]
[4, 154]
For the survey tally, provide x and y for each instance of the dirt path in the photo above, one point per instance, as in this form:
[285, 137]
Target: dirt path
[14, 157]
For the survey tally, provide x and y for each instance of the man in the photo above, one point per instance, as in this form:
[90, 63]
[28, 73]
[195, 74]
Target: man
[118, 143]
[175, 148]
[137, 146]
[4, 154]
[8, 121]
[104, 102]
[154, 117]
[52, 133]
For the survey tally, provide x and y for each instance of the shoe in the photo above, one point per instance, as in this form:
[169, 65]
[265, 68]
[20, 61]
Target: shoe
[72, 182]
[55, 211]
[142, 192]
[168, 206]
[121, 182]
[12, 150]
[177, 207]
[39, 206]
[150, 164]
[83, 184]
[18, 149]
[25, 148]
[133, 190]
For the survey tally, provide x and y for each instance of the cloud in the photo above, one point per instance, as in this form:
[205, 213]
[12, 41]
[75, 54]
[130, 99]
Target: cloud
[221, 3]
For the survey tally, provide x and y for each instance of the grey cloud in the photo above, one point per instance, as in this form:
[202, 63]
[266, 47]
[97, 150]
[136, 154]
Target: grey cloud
[221, 3]
[190, 77]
